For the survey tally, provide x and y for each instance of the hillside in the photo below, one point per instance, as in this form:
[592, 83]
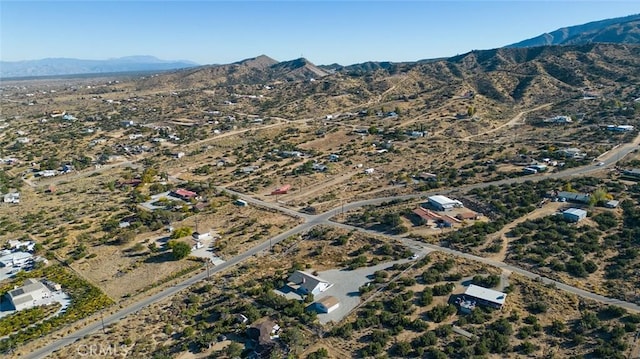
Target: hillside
[617, 30]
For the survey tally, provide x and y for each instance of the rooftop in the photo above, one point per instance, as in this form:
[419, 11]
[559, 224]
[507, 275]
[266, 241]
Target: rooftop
[328, 301]
[576, 211]
[443, 200]
[487, 294]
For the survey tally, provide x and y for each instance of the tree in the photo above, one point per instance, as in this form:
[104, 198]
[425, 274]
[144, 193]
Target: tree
[179, 249]
[181, 232]
[234, 350]
[471, 111]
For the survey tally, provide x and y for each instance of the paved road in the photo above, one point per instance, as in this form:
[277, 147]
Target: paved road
[609, 160]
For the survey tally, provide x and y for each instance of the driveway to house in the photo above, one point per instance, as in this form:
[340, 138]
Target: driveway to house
[346, 287]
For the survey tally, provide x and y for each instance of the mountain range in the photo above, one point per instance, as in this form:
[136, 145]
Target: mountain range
[68, 66]
[623, 30]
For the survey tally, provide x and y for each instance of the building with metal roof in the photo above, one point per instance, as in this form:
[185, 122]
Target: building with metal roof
[485, 296]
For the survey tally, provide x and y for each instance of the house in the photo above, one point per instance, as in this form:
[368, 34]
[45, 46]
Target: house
[467, 216]
[485, 296]
[13, 197]
[612, 203]
[48, 173]
[29, 246]
[249, 169]
[539, 167]
[27, 296]
[23, 140]
[319, 167]
[183, 194]
[620, 128]
[634, 173]
[559, 119]
[264, 332]
[574, 197]
[442, 203]
[572, 152]
[15, 259]
[416, 134]
[426, 176]
[327, 304]
[199, 236]
[296, 154]
[574, 214]
[305, 283]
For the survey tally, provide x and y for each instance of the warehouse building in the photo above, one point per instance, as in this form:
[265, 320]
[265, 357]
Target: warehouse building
[442, 203]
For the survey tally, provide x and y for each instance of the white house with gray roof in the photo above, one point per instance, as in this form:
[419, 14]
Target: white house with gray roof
[29, 294]
[305, 283]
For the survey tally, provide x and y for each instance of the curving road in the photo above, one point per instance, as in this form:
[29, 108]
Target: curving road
[608, 159]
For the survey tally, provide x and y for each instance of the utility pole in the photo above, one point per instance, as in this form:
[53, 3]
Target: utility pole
[102, 320]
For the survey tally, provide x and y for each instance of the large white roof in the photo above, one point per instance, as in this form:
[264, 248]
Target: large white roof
[487, 294]
[443, 200]
[576, 212]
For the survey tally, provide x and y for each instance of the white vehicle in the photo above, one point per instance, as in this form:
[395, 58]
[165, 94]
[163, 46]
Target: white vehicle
[600, 163]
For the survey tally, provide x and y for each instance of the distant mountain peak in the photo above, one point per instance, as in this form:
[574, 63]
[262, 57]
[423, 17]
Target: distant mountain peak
[258, 62]
[617, 30]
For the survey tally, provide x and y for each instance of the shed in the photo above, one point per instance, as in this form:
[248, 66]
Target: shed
[327, 304]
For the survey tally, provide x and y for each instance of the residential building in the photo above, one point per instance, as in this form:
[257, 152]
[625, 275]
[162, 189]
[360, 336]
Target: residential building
[560, 119]
[612, 203]
[319, 167]
[485, 296]
[574, 214]
[183, 194]
[573, 153]
[327, 304]
[15, 259]
[620, 128]
[306, 283]
[442, 203]
[199, 236]
[635, 173]
[574, 197]
[13, 197]
[27, 296]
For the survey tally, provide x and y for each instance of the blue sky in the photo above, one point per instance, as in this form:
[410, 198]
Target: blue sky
[324, 32]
